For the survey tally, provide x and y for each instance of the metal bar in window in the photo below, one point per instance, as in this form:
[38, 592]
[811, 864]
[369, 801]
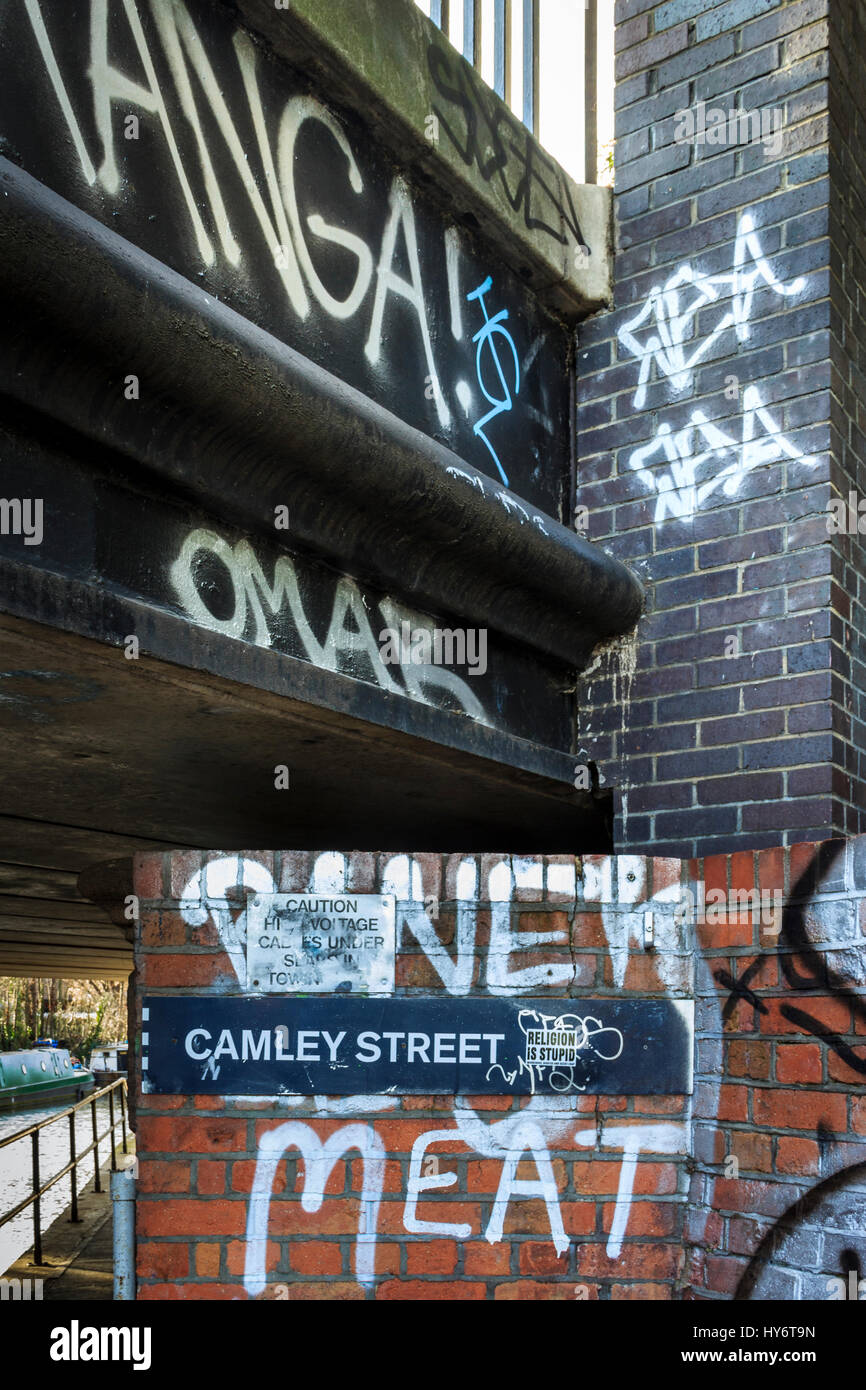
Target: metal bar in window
[590, 89]
[531, 9]
[439, 14]
[471, 47]
[502, 49]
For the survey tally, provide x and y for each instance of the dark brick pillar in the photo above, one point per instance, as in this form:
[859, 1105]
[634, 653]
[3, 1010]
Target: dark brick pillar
[717, 417]
[848, 355]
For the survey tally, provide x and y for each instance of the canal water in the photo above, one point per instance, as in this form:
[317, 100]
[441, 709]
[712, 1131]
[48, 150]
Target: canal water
[16, 1171]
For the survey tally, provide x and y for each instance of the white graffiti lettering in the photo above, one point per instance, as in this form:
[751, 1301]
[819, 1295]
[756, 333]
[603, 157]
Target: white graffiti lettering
[194, 115]
[619, 885]
[319, 1160]
[353, 650]
[701, 456]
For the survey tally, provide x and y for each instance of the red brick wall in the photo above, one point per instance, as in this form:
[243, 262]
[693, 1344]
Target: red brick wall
[554, 1164]
[781, 1067]
[751, 1184]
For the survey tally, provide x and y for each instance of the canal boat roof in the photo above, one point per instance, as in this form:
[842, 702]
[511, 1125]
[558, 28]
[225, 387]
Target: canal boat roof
[16, 1067]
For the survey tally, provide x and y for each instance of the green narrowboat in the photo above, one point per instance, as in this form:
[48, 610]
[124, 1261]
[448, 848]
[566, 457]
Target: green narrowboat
[40, 1076]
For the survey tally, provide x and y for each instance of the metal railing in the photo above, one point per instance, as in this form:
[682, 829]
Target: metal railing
[503, 12]
[74, 1157]
[503, 56]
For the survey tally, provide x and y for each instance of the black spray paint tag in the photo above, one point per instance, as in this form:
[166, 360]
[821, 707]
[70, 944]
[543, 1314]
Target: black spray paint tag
[445, 1046]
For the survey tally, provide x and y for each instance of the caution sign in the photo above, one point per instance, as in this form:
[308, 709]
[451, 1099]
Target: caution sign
[303, 943]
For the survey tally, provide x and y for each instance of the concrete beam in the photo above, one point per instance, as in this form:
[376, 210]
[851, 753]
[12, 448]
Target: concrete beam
[223, 390]
[157, 754]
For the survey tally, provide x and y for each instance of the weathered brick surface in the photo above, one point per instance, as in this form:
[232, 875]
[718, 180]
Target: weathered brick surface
[720, 407]
[755, 1182]
[770, 1202]
[545, 1232]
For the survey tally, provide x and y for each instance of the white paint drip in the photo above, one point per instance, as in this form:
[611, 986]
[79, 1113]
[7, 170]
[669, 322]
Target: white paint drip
[672, 1136]
[616, 661]
[319, 1161]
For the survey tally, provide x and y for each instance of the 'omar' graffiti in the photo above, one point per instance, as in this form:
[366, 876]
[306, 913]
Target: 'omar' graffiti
[350, 644]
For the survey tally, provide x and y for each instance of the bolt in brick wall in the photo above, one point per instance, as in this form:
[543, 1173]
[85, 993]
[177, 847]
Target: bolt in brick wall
[717, 414]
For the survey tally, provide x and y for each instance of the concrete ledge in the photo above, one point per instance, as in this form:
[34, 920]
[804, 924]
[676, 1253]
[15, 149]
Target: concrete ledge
[229, 403]
[389, 62]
